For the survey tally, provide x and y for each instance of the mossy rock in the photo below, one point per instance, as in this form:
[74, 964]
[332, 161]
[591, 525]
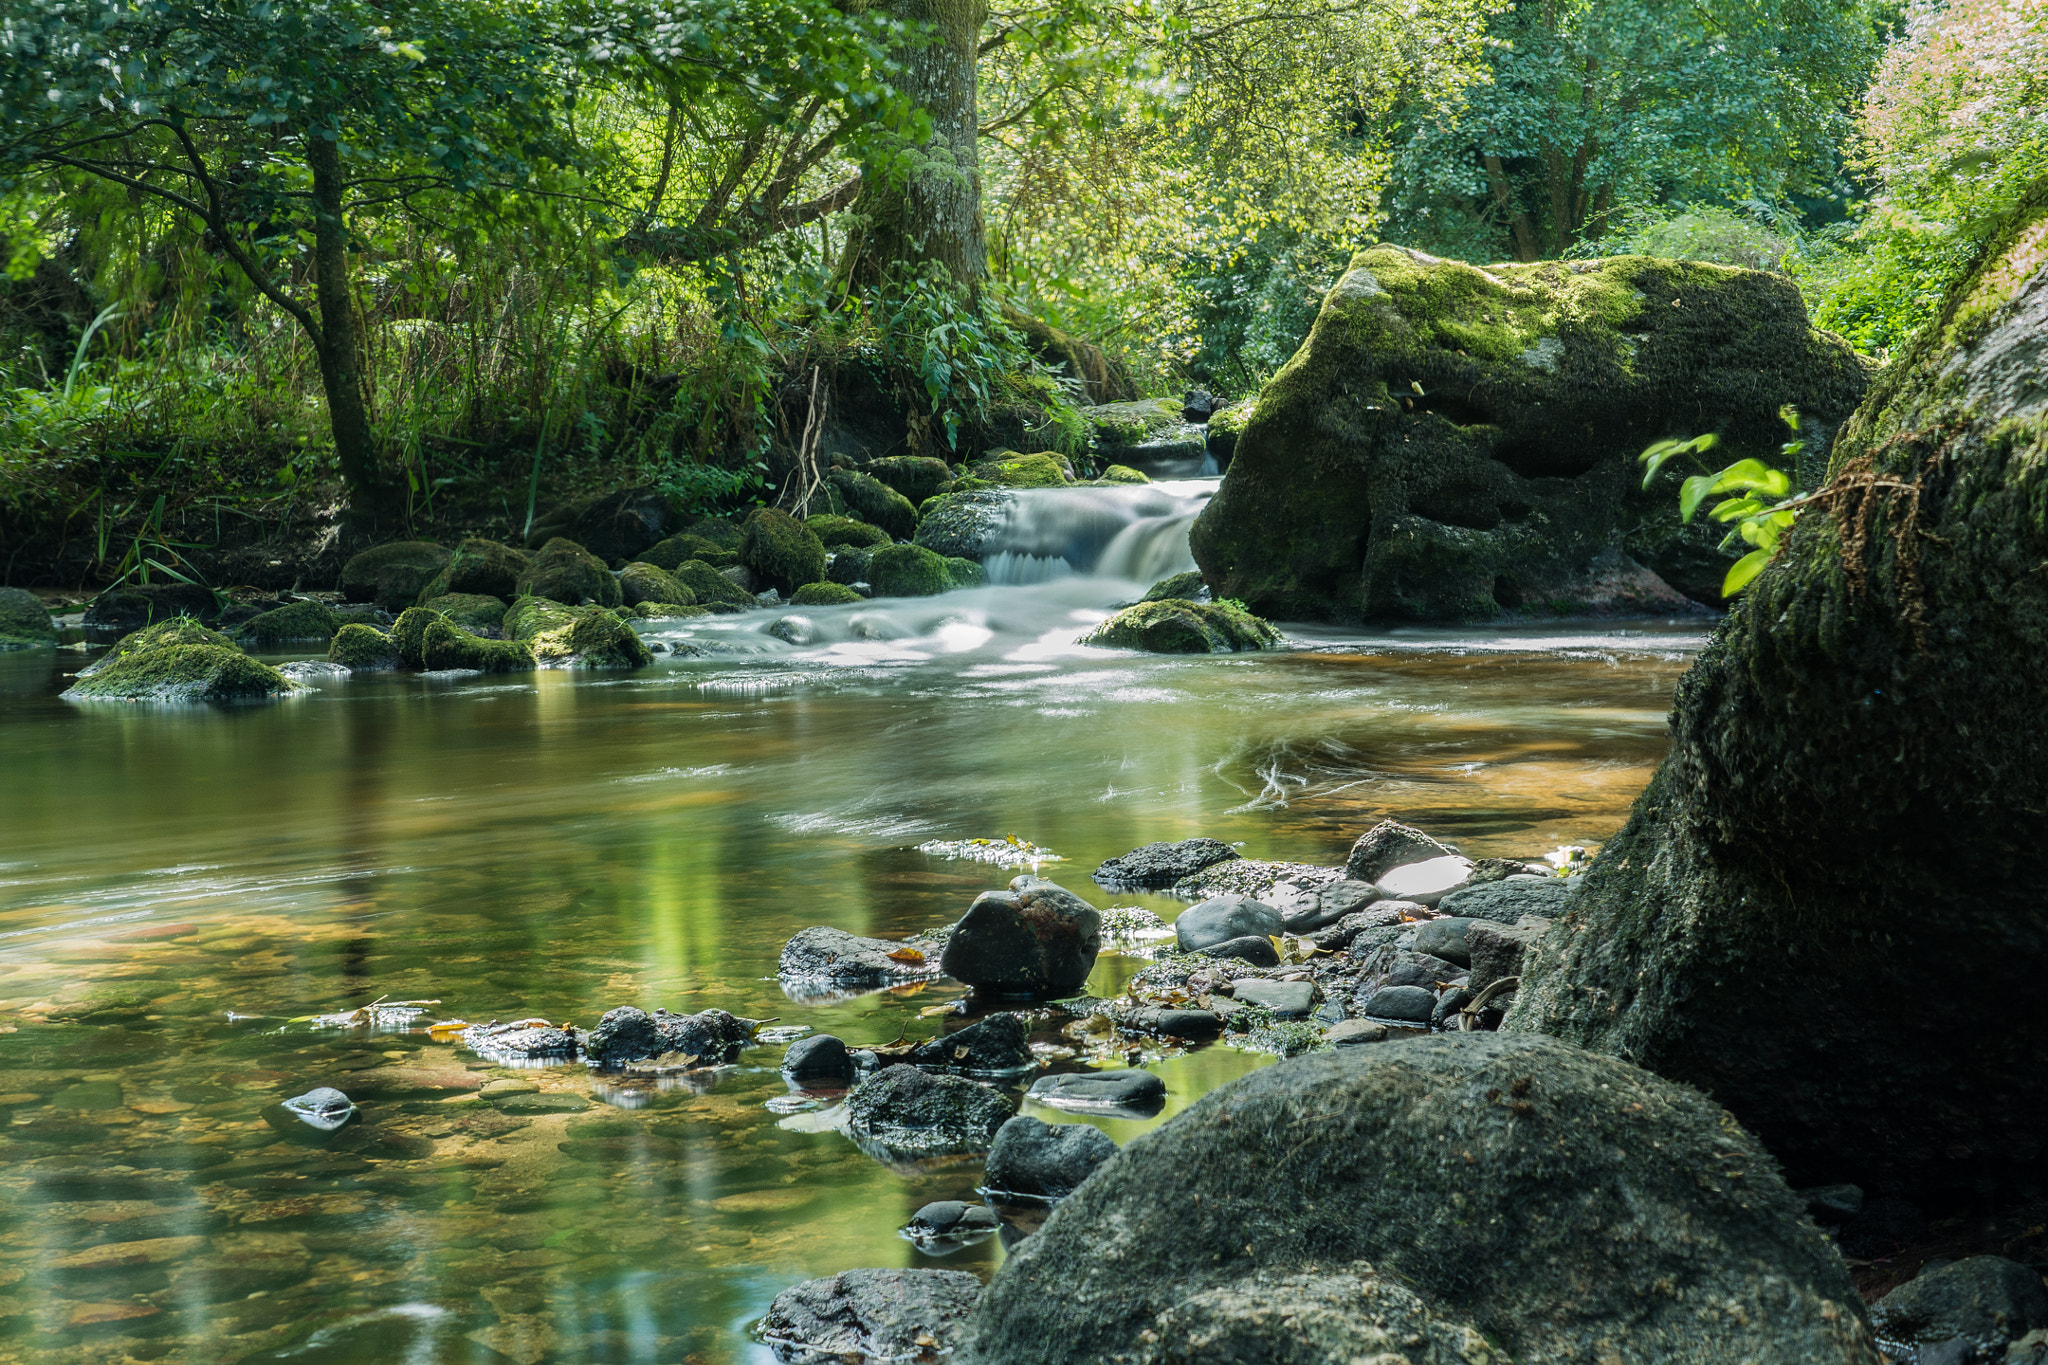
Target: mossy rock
[565, 572]
[1131, 423]
[178, 630]
[667, 611]
[1180, 626]
[1182, 586]
[875, 502]
[783, 553]
[959, 525]
[1123, 473]
[364, 649]
[916, 477]
[825, 595]
[445, 645]
[908, 571]
[474, 612]
[136, 605]
[369, 576]
[409, 631]
[1225, 425]
[306, 622]
[25, 623]
[1103, 380]
[711, 587]
[1044, 469]
[726, 535]
[850, 565]
[836, 532]
[182, 673]
[613, 526]
[596, 638]
[642, 582]
[529, 616]
[1454, 442]
[672, 553]
[479, 568]
[361, 615]
[965, 573]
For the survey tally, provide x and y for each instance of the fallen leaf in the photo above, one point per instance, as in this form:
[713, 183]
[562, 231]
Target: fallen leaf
[906, 955]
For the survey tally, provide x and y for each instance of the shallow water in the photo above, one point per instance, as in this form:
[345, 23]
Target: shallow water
[558, 844]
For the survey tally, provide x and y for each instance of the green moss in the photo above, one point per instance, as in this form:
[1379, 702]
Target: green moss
[1182, 586]
[597, 638]
[916, 477]
[565, 572]
[671, 554]
[364, 649]
[1126, 424]
[529, 616]
[446, 645]
[642, 582]
[179, 630]
[299, 622]
[668, 611]
[409, 631]
[201, 672]
[1178, 626]
[25, 623]
[474, 612]
[1043, 469]
[836, 531]
[965, 573]
[1123, 473]
[875, 502]
[850, 565]
[908, 571]
[382, 572]
[783, 552]
[724, 534]
[709, 586]
[480, 568]
[825, 595]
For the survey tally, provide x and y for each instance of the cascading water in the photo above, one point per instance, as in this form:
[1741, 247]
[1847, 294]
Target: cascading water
[1138, 532]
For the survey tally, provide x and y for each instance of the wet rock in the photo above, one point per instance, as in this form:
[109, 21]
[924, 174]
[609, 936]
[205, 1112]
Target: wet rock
[480, 568]
[870, 1315]
[122, 1255]
[522, 1038]
[1130, 1092]
[1254, 950]
[364, 649]
[25, 623]
[1509, 899]
[1497, 951]
[1190, 1025]
[1377, 915]
[1044, 1160]
[409, 1082]
[819, 1057]
[1222, 918]
[781, 551]
[1161, 865]
[837, 532]
[1284, 999]
[950, 1220]
[445, 645]
[1581, 1171]
[711, 587]
[1350, 1032]
[640, 582]
[1037, 938]
[795, 630]
[182, 673]
[627, 1034]
[1347, 1314]
[825, 595]
[904, 1108]
[614, 526]
[1182, 586]
[1179, 626]
[908, 571]
[826, 958]
[1388, 845]
[998, 1043]
[1329, 905]
[303, 622]
[541, 1102]
[1402, 1004]
[323, 1109]
[1404, 968]
[1986, 1302]
[960, 525]
[1445, 938]
[875, 502]
[849, 566]
[1427, 882]
[2031, 1349]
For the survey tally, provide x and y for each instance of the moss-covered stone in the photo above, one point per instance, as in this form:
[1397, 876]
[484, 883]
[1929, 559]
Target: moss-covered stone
[667, 611]
[1179, 626]
[1182, 586]
[711, 587]
[596, 638]
[618, 525]
[964, 573]
[479, 568]
[382, 572]
[835, 532]
[1123, 473]
[445, 645]
[959, 525]
[916, 477]
[529, 616]
[473, 612]
[783, 553]
[1102, 379]
[565, 572]
[875, 502]
[364, 649]
[1044, 469]
[178, 630]
[188, 673]
[850, 565]
[408, 633]
[726, 535]
[1865, 737]
[642, 582]
[672, 553]
[1130, 423]
[1225, 425]
[825, 595]
[1455, 442]
[25, 623]
[908, 571]
[304, 622]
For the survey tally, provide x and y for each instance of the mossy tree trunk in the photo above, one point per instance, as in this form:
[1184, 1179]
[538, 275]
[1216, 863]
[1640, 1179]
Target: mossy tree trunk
[1830, 909]
[338, 340]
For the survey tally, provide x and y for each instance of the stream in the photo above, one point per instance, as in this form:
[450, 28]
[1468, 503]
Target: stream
[179, 886]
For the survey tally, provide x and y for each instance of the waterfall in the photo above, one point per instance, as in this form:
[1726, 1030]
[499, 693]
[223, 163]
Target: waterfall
[1137, 532]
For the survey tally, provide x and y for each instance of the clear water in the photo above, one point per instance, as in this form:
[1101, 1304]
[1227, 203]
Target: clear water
[559, 844]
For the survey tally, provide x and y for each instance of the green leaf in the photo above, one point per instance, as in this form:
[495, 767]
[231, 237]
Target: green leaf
[1736, 508]
[1743, 570]
[1692, 493]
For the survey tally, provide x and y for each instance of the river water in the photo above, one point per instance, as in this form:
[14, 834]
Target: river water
[180, 887]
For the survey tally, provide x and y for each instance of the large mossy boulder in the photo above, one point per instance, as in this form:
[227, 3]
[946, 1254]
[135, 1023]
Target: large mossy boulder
[875, 502]
[474, 612]
[364, 649]
[1182, 626]
[834, 531]
[181, 673]
[178, 630]
[575, 637]
[25, 623]
[383, 573]
[302, 622]
[641, 582]
[783, 553]
[1146, 430]
[825, 595]
[1570, 1207]
[710, 587]
[445, 645]
[564, 571]
[409, 633]
[481, 568]
[916, 477]
[613, 526]
[908, 571]
[1453, 442]
[1827, 907]
[673, 553]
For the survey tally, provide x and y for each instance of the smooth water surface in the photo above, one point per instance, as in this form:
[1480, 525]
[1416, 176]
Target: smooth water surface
[176, 884]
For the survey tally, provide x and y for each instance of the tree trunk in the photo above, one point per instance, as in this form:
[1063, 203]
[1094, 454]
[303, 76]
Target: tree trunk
[339, 343]
[933, 215]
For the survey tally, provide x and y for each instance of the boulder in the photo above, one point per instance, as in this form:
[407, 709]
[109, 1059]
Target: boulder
[1222, 918]
[834, 532]
[709, 587]
[364, 578]
[909, 1110]
[832, 959]
[875, 502]
[1426, 883]
[364, 649]
[1330, 904]
[1454, 442]
[1178, 626]
[999, 1043]
[639, 582]
[1037, 938]
[1445, 938]
[177, 630]
[1043, 1160]
[627, 1034]
[474, 612]
[825, 595]
[566, 572]
[1497, 951]
[479, 568]
[25, 623]
[818, 1057]
[1344, 1314]
[869, 1315]
[1106, 1092]
[409, 634]
[1510, 899]
[1008, 469]
[1123, 473]
[612, 526]
[1985, 1302]
[1388, 845]
[1866, 733]
[960, 525]
[137, 605]
[916, 477]
[673, 553]
[849, 565]
[1284, 999]
[1144, 430]
[1225, 425]
[302, 622]
[781, 551]
[1182, 586]
[908, 571]
[181, 673]
[965, 573]
[1102, 379]
[446, 645]
[1254, 950]
[576, 637]
[1566, 1205]
[1156, 866]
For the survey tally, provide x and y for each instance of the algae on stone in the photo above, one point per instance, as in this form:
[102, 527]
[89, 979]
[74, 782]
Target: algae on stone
[908, 571]
[1043, 469]
[825, 595]
[964, 573]
[25, 623]
[188, 673]
[529, 616]
[565, 572]
[959, 525]
[849, 565]
[1179, 626]
[445, 645]
[364, 649]
[783, 553]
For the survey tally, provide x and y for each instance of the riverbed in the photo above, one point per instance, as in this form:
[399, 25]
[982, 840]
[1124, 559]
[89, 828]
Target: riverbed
[180, 887]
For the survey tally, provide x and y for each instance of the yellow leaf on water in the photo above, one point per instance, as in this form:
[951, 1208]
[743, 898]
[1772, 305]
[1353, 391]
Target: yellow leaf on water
[906, 955]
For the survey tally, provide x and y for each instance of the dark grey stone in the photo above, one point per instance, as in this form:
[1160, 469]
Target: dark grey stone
[1378, 915]
[1286, 999]
[951, 1218]
[1037, 939]
[1222, 918]
[869, 1314]
[1253, 949]
[911, 1110]
[1044, 1160]
[1497, 951]
[1337, 1316]
[1513, 1183]
[1445, 938]
[1332, 903]
[627, 1034]
[1404, 1004]
[819, 1057]
[1986, 1301]
[1173, 1023]
[1833, 1203]
[523, 1039]
[998, 1043]
[826, 958]
[1100, 1091]
[1419, 969]
[1161, 865]
[1389, 845]
[1354, 1031]
[1506, 901]
[1447, 1006]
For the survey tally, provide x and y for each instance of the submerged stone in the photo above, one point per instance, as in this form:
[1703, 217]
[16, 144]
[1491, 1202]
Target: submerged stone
[870, 1315]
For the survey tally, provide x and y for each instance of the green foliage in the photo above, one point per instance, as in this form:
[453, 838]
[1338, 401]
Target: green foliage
[1755, 497]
